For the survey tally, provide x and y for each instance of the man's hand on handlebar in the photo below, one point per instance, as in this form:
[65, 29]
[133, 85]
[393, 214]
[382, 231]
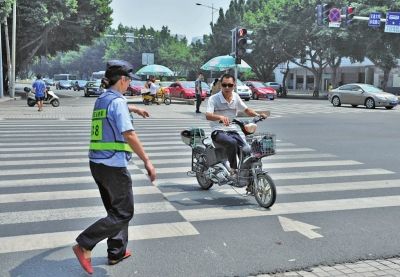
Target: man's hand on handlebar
[263, 115]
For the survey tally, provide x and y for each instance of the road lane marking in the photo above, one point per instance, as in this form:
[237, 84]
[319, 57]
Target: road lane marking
[78, 213]
[68, 194]
[220, 192]
[62, 239]
[225, 212]
[290, 225]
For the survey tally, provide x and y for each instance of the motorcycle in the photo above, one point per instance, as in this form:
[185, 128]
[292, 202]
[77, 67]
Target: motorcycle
[162, 96]
[50, 98]
[209, 162]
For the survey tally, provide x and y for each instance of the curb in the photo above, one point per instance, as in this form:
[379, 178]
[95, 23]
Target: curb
[6, 99]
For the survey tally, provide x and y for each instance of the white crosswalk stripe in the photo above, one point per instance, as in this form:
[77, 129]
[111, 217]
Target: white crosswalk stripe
[46, 167]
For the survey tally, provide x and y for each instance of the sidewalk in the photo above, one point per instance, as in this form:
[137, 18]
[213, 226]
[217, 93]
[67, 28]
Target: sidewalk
[384, 267]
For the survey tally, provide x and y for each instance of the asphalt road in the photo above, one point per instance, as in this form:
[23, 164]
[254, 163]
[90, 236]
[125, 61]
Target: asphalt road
[336, 171]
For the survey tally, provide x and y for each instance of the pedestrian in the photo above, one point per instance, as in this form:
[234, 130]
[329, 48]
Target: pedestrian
[39, 89]
[216, 86]
[198, 91]
[113, 139]
[330, 87]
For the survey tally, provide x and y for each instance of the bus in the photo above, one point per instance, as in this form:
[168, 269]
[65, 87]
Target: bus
[68, 77]
[63, 77]
[97, 75]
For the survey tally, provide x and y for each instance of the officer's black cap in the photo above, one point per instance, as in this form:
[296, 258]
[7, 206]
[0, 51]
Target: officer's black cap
[119, 68]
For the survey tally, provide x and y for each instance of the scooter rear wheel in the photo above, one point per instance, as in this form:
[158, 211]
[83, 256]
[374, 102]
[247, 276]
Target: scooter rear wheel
[265, 190]
[31, 102]
[201, 177]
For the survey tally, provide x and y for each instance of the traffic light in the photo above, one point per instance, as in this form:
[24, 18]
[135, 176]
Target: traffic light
[349, 14]
[326, 9]
[318, 15]
[242, 43]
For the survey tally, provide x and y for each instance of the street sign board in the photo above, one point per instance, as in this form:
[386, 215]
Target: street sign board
[334, 24]
[374, 19]
[147, 58]
[392, 22]
[334, 15]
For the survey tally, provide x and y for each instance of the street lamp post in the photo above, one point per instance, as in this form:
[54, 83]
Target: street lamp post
[212, 10]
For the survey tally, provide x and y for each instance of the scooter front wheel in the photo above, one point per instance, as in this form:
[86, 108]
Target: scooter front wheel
[55, 103]
[264, 190]
[167, 101]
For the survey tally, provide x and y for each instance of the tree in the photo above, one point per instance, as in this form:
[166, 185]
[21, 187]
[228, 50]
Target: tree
[48, 26]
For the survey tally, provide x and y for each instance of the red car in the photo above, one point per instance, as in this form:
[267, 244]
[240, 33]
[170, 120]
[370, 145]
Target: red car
[260, 90]
[135, 87]
[185, 89]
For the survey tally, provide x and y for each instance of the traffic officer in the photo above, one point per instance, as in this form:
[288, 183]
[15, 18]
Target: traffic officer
[113, 139]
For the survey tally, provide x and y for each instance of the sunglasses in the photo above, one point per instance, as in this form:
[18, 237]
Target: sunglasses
[227, 85]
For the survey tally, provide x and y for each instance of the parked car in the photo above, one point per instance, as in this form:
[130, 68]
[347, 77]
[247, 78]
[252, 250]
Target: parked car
[135, 87]
[49, 82]
[362, 94]
[243, 90]
[64, 84]
[260, 90]
[93, 88]
[184, 89]
[79, 84]
[276, 86]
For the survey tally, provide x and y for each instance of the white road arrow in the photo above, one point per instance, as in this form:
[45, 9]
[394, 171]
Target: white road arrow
[290, 225]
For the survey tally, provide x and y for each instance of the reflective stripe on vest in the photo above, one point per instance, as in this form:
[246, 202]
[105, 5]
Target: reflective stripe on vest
[116, 146]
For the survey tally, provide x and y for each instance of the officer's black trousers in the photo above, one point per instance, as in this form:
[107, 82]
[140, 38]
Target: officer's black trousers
[115, 186]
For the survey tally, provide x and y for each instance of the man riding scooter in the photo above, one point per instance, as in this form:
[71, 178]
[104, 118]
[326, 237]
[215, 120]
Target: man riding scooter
[222, 108]
[152, 89]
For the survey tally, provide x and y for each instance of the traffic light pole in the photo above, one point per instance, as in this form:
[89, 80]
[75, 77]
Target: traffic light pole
[236, 75]
[362, 18]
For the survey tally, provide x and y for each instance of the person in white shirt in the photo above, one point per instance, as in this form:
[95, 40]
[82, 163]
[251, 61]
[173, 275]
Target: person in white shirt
[222, 108]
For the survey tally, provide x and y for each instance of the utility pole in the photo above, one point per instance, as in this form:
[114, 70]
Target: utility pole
[1, 66]
[14, 45]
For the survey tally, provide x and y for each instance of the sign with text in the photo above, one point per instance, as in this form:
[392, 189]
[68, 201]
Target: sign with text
[147, 58]
[392, 22]
[374, 20]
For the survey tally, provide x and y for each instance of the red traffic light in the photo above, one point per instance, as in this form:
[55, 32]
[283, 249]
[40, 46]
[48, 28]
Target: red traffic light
[350, 10]
[242, 32]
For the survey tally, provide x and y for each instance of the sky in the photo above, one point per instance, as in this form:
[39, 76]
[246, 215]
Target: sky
[182, 17]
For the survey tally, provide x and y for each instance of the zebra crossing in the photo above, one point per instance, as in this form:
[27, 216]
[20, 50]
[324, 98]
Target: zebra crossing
[47, 195]
[282, 107]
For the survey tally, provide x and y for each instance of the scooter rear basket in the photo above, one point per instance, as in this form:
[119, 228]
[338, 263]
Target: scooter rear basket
[193, 136]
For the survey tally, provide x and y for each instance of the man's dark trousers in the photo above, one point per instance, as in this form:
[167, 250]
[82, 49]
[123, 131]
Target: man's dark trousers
[231, 141]
[115, 186]
[198, 102]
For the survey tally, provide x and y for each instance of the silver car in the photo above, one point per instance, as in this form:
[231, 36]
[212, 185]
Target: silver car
[362, 94]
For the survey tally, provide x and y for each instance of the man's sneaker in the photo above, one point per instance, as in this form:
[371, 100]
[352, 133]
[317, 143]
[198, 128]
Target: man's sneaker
[250, 189]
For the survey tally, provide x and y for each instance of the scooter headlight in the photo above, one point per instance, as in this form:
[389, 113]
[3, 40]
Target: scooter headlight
[250, 127]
